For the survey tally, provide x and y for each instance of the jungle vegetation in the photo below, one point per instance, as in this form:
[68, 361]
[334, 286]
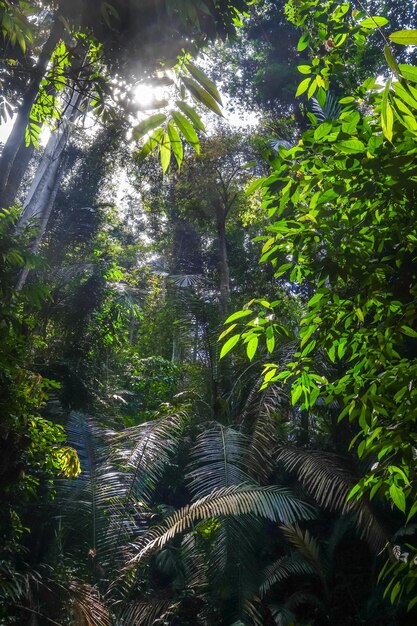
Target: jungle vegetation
[208, 331]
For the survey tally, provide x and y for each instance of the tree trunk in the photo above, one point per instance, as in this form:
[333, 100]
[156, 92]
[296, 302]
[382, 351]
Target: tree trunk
[14, 181]
[38, 195]
[223, 262]
[42, 193]
[56, 173]
[15, 144]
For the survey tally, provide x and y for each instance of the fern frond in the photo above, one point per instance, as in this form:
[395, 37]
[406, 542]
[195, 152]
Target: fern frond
[328, 480]
[273, 503]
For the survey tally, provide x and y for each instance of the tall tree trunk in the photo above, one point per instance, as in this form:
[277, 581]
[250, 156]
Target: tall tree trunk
[14, 181]
[42, 193]
[223, 261]
[15, 144]
[38, 195]
[57, 171]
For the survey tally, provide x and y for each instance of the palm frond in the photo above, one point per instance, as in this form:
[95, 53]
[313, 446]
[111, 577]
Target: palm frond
[328, 480]
[153, 609]
[284, 567]
[13, 584]
[308, 548]
[273, 503]
[194, 563]
[218, 460]
[253, 613]
[87, 606]
[329, 111]
[265, 413]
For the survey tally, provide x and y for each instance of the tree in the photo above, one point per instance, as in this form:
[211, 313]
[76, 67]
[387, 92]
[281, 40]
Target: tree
[343, 207]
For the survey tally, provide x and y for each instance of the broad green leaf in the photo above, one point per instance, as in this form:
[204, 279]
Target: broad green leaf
[404, 94]
[256, 184]
[351, 146]
[374, 22]
[302, 87]
[397, 496]
[404, 37]
[204, 81]
[312, 89]
[395, 591]
[176, 143]
[387, 116]
[408, 331]
[238, 315]
[391, 59]
[304, 69]
[412, 512]
[202, 95]
[303, 42]
[147, 125]
[230, 343]
[270, 339]
[227, 331]
[296, 393]
[322, 131]
[187, 130]
[151, 143]
[409, 72]
[191, 114]
[251, 347]
[165, 152]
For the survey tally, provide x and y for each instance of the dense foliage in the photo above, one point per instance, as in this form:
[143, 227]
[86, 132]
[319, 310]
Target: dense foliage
[156, 465]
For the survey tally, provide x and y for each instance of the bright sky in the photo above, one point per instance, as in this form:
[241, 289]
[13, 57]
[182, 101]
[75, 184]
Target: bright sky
[146, 94]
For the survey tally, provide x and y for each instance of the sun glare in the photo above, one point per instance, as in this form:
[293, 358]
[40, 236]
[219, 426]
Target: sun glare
[146, 94]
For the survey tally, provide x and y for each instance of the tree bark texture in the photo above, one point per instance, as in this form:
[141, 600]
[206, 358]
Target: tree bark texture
[14, 148]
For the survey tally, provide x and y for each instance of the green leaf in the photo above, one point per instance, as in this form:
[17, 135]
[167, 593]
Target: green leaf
[304, 69]
[230, 343]
[191, 114]
[408, 331]
[165, 152]
[251, 347]
[387, 116]
[226, 332]
[201, 95]
[153, 141]
[147, 125]
[204, 81]
[322, 131]
[270, 339]
[187, 130]
[176, 143]
[302, 87]
[412, 512]
[351, 146]
[238, 315]
[374, 21]
[303, 42]
[296, 394]
[391, 59]
[397, 496]
[404, 37]
[409, 72]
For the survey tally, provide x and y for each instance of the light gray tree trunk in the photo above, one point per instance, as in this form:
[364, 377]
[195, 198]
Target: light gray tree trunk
[15, 144]
[41, 196]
